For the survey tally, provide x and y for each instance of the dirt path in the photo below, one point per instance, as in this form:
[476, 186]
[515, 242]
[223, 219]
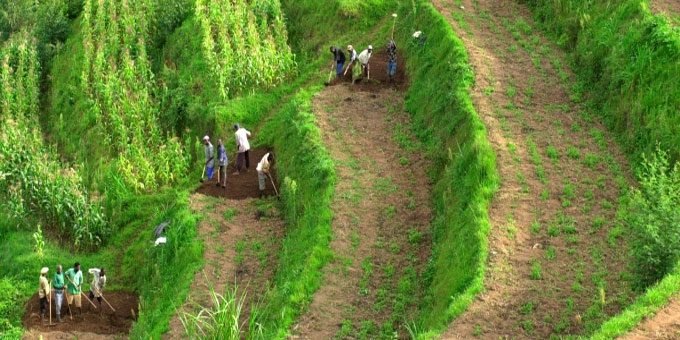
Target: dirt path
[663, 325]
[381, 217]
[557, 264]
[241, 239]
[670, 7]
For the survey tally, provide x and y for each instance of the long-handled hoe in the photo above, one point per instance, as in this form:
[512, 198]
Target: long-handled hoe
[83, 295]
[70, 314]
[274, 185]
[107, 303]
[49, 305]
[330, 75]
[203, 173]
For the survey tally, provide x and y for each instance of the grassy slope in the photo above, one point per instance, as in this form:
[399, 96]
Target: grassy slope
[464, 174]
[630, 59]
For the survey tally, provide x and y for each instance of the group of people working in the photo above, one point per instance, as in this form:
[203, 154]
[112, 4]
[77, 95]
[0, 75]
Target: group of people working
[242, 159]
[68, 284]
[364, 61]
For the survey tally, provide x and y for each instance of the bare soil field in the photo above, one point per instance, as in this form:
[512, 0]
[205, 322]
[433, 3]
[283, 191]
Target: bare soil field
[92, 325]
[381, 215]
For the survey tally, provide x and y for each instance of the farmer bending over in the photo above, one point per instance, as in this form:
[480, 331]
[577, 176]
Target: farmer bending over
[243, 146]
[74, 279]
[43, 292]
[97, 285]
[58, 285]
[365, 58]
[209, 157]
[391, 60]
[263, 171]
[223, 160]
[339, 60]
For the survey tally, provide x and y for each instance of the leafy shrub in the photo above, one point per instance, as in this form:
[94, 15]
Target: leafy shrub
[653, 216]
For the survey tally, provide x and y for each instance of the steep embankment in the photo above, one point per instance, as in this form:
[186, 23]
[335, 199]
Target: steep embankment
[381, 216]
[556, 254]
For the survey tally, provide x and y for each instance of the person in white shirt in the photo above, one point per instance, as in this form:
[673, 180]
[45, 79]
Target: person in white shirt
[365, 58]
[352, 58]
[243, 156]
[98, 284]
[263, 168]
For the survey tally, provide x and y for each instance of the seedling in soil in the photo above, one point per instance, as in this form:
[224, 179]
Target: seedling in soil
[552, 153]
[577, 287]
[389, 271]
[523, 182]
[614, 234]
[535, 270]
[598, 223]
[573, 153]
[511, 228]
[390, 212]
[488, 91]
[511, 91]
[403, 161]
[568, 194]
[591, 160]
[345, 330]
[230, 213]
[536, 227]
[553, 230]
[606, 205]
[355, 239]
[550, 253]
[545, 194]
[528, 326]
[385, 186]
[414, 236]
[477, 331]
[527, 308]
[395, 248]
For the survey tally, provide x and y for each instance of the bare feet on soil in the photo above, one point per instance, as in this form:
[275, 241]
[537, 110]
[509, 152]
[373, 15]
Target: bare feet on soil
[381, 217]
[557, 264]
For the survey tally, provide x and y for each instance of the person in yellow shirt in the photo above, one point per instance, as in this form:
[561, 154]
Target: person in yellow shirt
[44, 292]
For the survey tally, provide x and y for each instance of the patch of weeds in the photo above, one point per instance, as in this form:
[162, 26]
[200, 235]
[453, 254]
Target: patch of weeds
[536, 273]
[389, 271]
[395, 248]
[527, 308]
[511, 91]
[573, 153]
[553, 230]
[488, 91]
[385, 186]
[477, 331]
[552, 153]
[528, 326]
[614, 234]
[550, 253]
[545, 194]
[576, 287]
[598, 136]
[414, 236]
[367, 329]
[355, 239]
[538, 162]
[589, 195]
[606, 205]
[591, 160]
[230, 213]
[568, 194]
[367, 268]
[390, 212]
[523, 182]
[535, 227]
[403, 161]
[598, 223]
[566, 223]
[511, 228]
[345, 330]
[401, 136]
[380, 299]
[576, 127]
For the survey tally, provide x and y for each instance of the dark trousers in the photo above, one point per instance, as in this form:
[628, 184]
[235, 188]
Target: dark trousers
[241, 158]
[43, 305]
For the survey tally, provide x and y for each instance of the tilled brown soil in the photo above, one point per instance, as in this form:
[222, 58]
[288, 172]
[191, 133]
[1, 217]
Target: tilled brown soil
[379, 78]
[382, 197]
[241, 186]
[241, 239]
[557, 264]
[92, 325]
[665, 324]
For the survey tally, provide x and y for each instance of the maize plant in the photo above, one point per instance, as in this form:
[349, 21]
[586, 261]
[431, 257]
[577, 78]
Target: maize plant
[33, 185]
[117, 79]
[245, 44]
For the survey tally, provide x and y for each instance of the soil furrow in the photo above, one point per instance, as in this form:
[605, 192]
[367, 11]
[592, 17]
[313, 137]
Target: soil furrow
[670, 7]
[241, 240]
[557, 262]
[663, 325]
[381, 217]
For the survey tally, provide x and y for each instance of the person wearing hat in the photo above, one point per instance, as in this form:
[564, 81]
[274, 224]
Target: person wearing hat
[74, 281]
[243, 145]
[43, 292]
[365, 58]
[58, 285]
[98, 284]
[391, 60]
[352, 58]
[223, 161]
[263, 171]
[339, 60]
[209, 157]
